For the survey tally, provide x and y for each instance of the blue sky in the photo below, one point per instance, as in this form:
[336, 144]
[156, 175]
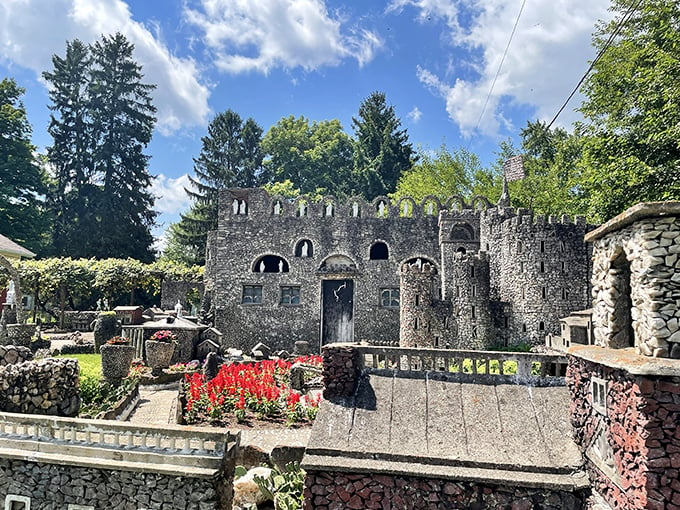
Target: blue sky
[435, 59]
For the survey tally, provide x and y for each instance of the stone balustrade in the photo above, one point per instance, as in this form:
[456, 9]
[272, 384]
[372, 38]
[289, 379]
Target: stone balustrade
[113, 435]
[343, 364]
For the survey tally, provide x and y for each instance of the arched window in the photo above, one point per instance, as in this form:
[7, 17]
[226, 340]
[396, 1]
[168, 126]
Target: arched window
[271, 264]
[304, 248]
[462, 232]
[420, 261]
[379, 251]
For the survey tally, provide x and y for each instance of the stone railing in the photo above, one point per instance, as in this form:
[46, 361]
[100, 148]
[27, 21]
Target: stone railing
[114, 441]
[469, 366]
[343, 364]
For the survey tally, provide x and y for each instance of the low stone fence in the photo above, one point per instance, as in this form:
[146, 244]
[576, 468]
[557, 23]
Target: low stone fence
[20, 334]
[80, 320]
[48, 386]
[343, 364]
[60, 461]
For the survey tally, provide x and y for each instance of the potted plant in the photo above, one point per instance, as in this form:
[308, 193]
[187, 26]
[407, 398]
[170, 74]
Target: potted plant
[159, 350]
[117, 354]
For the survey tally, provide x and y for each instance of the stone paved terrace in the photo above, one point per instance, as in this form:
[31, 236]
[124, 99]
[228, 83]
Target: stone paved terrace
[421, 424]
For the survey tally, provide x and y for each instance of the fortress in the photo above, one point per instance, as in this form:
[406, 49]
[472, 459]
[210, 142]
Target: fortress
[431, 274]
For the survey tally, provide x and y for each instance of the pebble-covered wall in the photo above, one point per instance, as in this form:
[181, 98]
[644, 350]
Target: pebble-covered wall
[341, 371]
[335, 490]
[269, 260]
[636, 280]
[48, 386]
[51, 486]
[631, 442]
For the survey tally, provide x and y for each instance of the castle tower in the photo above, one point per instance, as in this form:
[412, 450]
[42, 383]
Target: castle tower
[418, 324]
[470, 322]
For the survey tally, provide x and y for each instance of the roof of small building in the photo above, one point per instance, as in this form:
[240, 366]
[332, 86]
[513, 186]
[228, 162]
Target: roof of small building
[172, 322]
[633, 214]
[9, 247]
[127, 308]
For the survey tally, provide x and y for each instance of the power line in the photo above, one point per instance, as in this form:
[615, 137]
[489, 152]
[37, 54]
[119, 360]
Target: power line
[500, 65]
[624, 19]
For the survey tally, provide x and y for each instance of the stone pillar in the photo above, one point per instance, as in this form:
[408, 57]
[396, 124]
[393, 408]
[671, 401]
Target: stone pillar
[341, 370]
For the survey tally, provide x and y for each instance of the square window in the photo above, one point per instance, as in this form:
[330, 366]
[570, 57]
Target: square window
[389, 298]
[290, 296]
[252, 295]
[598, 391]
[14, 502]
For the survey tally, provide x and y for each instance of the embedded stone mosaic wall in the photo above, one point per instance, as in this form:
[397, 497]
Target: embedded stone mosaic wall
[52, 486]
[636, 282]
[48, 386]
[632, 444]
[335, 490]
[341, 370]
[267, 263]
[19, 334]
[13, 354]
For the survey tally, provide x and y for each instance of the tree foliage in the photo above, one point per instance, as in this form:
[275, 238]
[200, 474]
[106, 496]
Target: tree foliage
[382, 150]
[315, 157]
[22, 181]
[632, 148]
[441, 173]
[231, 156]
[102, 120]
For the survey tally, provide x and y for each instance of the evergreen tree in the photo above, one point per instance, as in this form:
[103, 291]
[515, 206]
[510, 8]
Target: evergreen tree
[632, 103]
[382, 150]
[122, 124]
[73, 190]
[21, 178]
[230, 156]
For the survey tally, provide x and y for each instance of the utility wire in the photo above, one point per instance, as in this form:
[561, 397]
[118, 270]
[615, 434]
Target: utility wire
[500, 65]
[624, 19]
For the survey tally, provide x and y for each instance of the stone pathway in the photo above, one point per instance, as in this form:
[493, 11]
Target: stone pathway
[157, 406]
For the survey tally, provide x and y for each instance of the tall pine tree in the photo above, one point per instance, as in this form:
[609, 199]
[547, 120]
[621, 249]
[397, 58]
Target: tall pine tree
[21, 179]
[230, 156]
[102, 121]
[382, 150]
[73, 189]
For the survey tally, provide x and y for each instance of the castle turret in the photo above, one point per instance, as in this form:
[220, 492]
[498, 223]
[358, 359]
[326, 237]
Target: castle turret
[419, 325]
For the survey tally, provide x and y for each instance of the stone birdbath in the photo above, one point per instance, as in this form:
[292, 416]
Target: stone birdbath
[159, 350]
[117, 355]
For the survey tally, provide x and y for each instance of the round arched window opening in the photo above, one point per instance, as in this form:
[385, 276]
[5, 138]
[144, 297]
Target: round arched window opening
[461, 250]
[379, 251]
[304, 248]
[420, 261]
[271, 264]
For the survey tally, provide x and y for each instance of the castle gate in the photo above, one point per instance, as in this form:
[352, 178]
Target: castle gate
[337, 322]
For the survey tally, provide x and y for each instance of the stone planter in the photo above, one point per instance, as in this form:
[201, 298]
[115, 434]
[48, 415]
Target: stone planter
[158, 355]
[116, 361]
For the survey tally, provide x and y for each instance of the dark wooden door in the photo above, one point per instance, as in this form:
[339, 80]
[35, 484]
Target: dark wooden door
[337, 310]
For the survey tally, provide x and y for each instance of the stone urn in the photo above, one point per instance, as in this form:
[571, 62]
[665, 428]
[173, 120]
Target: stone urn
[116, 360]
[158, 355]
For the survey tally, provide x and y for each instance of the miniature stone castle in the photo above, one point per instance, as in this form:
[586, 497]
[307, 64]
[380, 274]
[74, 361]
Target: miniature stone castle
[440, 274]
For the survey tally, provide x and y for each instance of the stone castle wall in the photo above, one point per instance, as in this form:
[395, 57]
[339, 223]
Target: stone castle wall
[529, 271]
[173, 291]
[419, 325]
[48, 386]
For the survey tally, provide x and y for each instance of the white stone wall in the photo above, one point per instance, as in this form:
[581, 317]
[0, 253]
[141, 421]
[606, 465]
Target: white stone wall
[651, 248]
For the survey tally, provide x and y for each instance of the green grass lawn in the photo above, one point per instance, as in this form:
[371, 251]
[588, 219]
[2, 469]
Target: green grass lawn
[90, 364]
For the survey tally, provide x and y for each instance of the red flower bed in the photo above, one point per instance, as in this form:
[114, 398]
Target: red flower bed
[239, 390]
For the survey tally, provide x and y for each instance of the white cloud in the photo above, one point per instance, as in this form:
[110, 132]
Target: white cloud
[259, 36]
[548, 55]
[31, 31]
[415, 115]
[171, 198]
